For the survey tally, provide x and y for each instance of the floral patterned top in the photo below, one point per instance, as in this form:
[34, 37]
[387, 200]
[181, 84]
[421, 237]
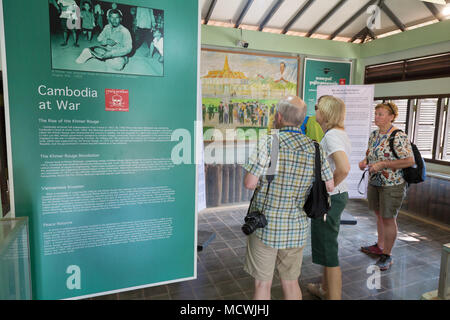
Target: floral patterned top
[379, 150]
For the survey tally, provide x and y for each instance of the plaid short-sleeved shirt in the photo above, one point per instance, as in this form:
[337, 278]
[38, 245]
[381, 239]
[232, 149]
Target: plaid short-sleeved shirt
[287, 223]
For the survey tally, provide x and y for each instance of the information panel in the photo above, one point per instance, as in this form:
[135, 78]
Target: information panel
[358, 101]
[101, 104]
[323, 72]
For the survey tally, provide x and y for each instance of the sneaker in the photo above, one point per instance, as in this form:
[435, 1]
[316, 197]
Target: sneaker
[385, 262]
[374, 249]
[316, 289]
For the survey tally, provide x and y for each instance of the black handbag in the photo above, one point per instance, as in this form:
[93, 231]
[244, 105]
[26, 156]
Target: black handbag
[318, 202]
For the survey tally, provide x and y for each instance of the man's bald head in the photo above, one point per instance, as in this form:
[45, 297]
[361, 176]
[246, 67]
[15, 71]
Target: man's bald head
[292, 110]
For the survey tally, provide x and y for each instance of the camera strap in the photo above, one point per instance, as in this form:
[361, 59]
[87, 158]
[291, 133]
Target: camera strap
[272, 168]
[269, 179]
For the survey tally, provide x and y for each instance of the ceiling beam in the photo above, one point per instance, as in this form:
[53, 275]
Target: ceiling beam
[434, 11]
[363, 39]
[210, 10]
[443, 2]
[297, 16]
[325, 18]
[392, 16]
[361, 34]
[270, 14]
[371, 34]
[352, 18]
[243, 13]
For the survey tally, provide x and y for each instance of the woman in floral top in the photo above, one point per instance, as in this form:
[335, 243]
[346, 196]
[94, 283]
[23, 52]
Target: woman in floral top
[387, 188]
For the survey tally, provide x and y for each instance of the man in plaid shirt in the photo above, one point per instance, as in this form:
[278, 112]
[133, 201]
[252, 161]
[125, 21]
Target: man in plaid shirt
[280, 243]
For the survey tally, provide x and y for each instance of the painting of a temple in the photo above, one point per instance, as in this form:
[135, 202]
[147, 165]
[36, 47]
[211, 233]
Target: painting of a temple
[267, 80]
[225, 83]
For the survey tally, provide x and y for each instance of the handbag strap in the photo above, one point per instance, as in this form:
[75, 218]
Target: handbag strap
[317, 167]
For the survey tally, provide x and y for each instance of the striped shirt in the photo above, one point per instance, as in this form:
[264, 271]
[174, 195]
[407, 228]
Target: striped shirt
[287, 223]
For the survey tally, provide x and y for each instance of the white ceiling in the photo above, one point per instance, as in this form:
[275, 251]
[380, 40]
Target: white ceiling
[410, 13]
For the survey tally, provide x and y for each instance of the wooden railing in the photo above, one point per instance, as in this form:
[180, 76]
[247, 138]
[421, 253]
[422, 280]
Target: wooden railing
[429, 199]
[225, 185]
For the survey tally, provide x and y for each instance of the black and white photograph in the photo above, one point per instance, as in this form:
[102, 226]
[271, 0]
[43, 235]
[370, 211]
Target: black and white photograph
[99, 36]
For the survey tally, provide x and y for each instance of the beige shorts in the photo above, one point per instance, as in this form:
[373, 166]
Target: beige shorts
[386, 200]
[261, 261]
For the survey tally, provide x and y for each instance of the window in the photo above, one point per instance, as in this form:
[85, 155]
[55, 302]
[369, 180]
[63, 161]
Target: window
[445, 131]
[387, 72]
[425, 126]
[402, 105]
[400, 122]
[373, 127]
[434, 66]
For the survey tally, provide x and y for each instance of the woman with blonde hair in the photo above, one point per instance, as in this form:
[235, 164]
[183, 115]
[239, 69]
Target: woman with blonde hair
[330, 114]
[387, 188]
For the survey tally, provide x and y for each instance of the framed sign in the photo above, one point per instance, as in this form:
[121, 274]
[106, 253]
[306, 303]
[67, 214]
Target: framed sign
[323, 72]
[97, 161]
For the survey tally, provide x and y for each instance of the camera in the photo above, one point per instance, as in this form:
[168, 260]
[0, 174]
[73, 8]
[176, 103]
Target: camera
[242, 43]
[253, 220]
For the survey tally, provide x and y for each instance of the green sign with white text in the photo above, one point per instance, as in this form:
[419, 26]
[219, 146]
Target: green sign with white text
[322, 72]
[101, 101]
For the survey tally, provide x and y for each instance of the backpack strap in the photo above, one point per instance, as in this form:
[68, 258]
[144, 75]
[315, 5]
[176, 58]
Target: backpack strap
[391, 142]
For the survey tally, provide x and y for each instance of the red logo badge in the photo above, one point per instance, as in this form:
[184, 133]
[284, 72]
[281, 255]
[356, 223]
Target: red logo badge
[341, 81]
[116, 100]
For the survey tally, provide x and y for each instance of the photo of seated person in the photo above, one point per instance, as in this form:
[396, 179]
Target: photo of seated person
[115, 41]
[107, 37]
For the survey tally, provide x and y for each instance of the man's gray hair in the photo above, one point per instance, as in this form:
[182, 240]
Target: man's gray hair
[291, 113]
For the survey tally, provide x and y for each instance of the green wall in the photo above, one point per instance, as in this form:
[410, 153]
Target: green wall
[424, 36]
[226, 37]
[418, 42]
[422, 41]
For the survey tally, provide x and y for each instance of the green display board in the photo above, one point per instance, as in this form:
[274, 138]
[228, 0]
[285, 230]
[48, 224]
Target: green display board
[101, 106]
[322, 72]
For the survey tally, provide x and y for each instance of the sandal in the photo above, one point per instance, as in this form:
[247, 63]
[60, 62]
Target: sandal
[316, 289]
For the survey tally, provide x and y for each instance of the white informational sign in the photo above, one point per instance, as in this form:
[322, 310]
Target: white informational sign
[200, 159]
[358, 101]
[201, 184]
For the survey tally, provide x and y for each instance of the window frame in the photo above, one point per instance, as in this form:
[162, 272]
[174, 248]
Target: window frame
[440, 145]
[402, 76]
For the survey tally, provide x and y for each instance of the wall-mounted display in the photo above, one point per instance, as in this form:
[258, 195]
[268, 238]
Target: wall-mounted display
[98, 163]
[241, 90]
[323, 72]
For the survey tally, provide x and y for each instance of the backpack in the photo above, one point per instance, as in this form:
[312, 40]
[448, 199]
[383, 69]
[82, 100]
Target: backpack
[415, 173]
[318, 202]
